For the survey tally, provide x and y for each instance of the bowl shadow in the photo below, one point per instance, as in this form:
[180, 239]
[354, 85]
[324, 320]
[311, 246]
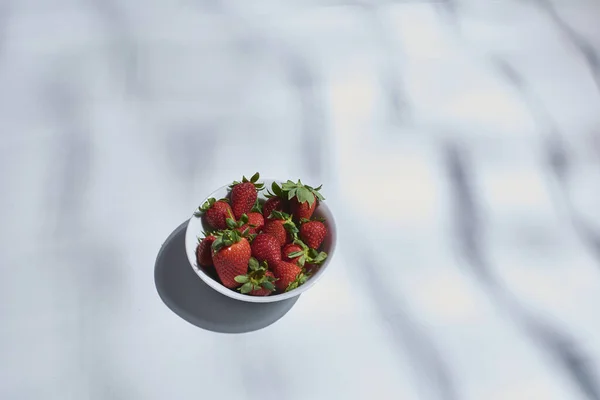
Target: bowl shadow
[193, 300]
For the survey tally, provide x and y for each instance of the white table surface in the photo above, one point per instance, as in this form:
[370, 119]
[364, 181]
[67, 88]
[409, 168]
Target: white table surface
[458, 142]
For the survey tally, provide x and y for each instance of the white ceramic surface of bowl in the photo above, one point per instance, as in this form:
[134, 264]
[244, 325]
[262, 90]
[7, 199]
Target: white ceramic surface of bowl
[196, 226]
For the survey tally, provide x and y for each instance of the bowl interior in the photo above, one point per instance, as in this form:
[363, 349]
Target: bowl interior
[196, 226]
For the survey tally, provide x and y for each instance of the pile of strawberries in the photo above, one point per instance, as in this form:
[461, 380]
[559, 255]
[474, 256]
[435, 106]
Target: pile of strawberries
[261, 248]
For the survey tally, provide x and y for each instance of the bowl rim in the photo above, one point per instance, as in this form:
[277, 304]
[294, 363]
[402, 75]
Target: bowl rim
[192, 233]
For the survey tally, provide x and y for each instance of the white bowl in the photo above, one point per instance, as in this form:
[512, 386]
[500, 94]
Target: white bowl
[196, 226]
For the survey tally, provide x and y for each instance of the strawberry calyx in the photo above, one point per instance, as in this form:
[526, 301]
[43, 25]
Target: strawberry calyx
[257, 207]
[256, 278]
[303, 193]
[207, 234]
[276, 191]
[288, 223]
[299, 281]
[226, 238]
[307, 255]
[254, 180]
[207, 205]
[236, 225]
[305, 220]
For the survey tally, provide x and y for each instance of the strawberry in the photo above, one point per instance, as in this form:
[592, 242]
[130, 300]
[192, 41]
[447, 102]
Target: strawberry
[289, 251]
[276, 201]
[231, 254]
[215, 213]
[255, 223]
[302, 210]
[244, 195]
[313, 233]
[266, 248]
[303, 199]
[281, 227]
[258, 281]
[248, 224]
[273, 204]
[204, 251]
[289, 276]
[299, 253]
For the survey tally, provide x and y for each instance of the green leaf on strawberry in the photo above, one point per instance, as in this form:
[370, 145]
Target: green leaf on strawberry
[225, 239]
[257, 207]
[253, 180]
[247, 288]
[268, 285]
[303, 193]
[257, 278]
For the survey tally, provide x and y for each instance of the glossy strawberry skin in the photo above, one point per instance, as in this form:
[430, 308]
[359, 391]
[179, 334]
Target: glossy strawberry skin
[266, 248]
[273, 204]
[217, 214]
[290, 248]
[232, 261]
[313, 233]
[243, 197]
[262, 291]
[204, 252]
[256, 220]
[276, 229]
[285, 273]
[302, 210]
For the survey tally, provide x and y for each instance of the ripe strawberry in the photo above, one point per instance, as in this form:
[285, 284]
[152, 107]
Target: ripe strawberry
[276, 201]
[300, 254]
[289, 276]
[291, 253]
[313, 233]
[302, 210]
[204, 251]
[282, 228]
[265, 291]
[231, 254]
[258, 281]
[244, 195]
[255, 223]
[303, 199]
[248, 224]
[266, 248]
[215, 213]
[273, 204]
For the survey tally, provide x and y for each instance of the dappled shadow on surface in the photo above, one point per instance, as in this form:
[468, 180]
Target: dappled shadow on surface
[193, 300]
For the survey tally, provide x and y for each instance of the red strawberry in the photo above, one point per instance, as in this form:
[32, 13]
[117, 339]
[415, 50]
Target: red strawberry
[313, 233]
[303, 210]
[231, 254]
[264, 291]
[303, 199]
[291, 249]
[258, 281]
[289, 276]
[282, 228]
[244, 195]
[204, 251]
[273, 204]
[266, 248]
[255, 223]
[276, 201]
[215, 213]
[300, 254]
[248, 224]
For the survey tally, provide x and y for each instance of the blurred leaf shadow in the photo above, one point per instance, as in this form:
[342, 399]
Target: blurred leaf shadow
[193, 300]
